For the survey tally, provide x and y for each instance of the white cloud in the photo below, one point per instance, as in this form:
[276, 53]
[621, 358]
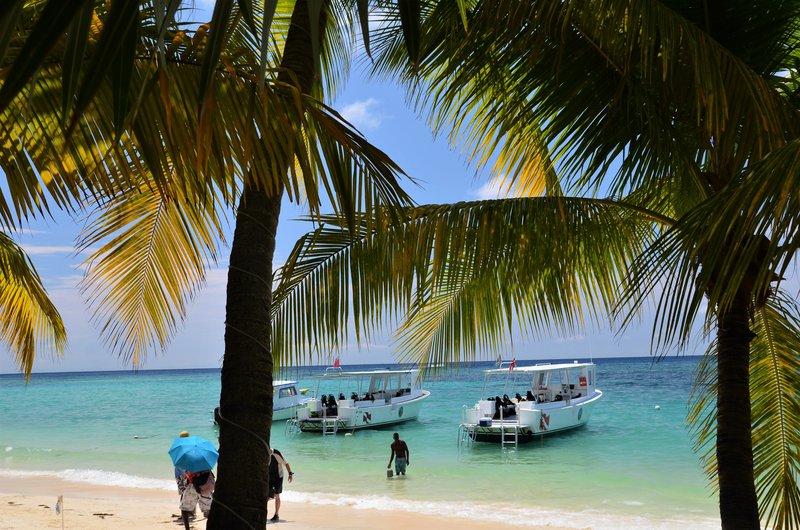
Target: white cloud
[573, 338]
[493, 189]
[66, 282]
[362, 114]
[21, 231]
[44, 250]
[217, 277]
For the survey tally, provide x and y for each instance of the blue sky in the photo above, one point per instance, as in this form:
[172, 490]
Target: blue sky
[379, 111]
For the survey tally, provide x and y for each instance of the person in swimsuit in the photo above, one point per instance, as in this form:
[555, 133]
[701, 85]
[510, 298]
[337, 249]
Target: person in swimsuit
[400, 455]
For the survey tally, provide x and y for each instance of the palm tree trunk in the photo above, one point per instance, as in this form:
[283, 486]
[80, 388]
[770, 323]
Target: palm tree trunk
[246, 386]
[240, 499]
[737, 494]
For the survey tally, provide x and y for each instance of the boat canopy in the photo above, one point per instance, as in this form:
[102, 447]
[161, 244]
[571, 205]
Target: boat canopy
[334, 374]
[539, 368]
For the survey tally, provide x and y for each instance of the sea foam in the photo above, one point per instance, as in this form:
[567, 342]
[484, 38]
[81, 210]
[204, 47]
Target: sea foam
[95, 477]
[489, 512]
[504, 514]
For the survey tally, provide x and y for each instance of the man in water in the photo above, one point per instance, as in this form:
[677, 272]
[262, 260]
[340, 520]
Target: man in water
[400, 455]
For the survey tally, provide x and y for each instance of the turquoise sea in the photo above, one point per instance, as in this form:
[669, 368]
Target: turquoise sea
[632, 466]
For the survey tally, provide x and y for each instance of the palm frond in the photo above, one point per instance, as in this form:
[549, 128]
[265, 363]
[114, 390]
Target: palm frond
[774, 379]
[761, 201]
[775, 411]
[443, 265]
[30, 322]
[605, 81]
[149, 261]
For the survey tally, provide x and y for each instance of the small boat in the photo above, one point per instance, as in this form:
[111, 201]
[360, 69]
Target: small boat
[547, 398]
[286, 400]
[360, 400]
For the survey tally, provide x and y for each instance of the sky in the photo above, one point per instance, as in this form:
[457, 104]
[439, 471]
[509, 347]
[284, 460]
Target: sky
[379, 111]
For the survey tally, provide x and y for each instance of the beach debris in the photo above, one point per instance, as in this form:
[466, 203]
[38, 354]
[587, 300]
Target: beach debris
[44, 506]
[103, 515]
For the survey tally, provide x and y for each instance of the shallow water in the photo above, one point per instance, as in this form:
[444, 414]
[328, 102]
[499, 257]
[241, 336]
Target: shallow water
[632, 463]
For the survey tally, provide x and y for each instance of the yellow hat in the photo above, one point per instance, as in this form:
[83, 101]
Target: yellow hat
[184, 434]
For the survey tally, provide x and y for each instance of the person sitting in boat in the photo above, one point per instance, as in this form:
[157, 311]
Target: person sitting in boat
[333, 407]
[354, 396]
[341, 396]
[519, 398]
[509, 409]
[498, 408]
[530, 396]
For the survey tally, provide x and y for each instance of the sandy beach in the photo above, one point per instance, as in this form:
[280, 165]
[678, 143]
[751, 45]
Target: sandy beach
[27, 503]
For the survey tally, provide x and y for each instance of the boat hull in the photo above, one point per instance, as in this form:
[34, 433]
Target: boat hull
[286, 413]
[532, 423]
[358, 417]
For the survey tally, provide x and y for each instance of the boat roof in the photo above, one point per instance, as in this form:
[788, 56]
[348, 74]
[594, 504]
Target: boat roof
[539, 368]
[282, 382]
[342, 373]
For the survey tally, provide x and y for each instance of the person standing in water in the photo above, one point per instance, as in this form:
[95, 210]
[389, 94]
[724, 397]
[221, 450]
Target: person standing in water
[400, 455]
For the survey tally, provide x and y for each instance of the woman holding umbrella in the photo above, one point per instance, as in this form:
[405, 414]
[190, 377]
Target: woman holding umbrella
[197, 456]
[199, 490]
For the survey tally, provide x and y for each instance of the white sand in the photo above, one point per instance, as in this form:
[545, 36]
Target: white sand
[29, 503]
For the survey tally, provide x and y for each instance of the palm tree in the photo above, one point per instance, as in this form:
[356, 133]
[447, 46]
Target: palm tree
[679, 116]
[160, 219]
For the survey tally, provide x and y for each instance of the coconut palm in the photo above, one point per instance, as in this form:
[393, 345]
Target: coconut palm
[675, 114]
[257, 135]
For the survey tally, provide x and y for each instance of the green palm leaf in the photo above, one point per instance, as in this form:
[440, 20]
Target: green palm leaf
[775, 413]
[602, 80]
[149, 264]
[30, 321]
[446, 266]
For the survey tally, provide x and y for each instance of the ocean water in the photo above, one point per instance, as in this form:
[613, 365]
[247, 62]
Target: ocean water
[633, 465]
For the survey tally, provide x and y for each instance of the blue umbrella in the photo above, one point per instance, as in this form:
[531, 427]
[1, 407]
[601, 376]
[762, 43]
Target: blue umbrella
[193, 453]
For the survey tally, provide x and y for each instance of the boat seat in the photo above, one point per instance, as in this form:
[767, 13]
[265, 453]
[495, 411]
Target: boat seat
[486, 408]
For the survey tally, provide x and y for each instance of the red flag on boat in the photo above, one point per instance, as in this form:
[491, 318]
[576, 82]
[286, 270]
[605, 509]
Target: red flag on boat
[513, 364]
[336, 363]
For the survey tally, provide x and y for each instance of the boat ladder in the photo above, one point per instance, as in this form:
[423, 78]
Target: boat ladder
[509, 438]
[465, 434]
[330, 426]
[292, 426]
[466, 431]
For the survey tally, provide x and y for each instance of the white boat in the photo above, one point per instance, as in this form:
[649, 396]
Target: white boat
[545, 398]
[361, 400]
[286, 400]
